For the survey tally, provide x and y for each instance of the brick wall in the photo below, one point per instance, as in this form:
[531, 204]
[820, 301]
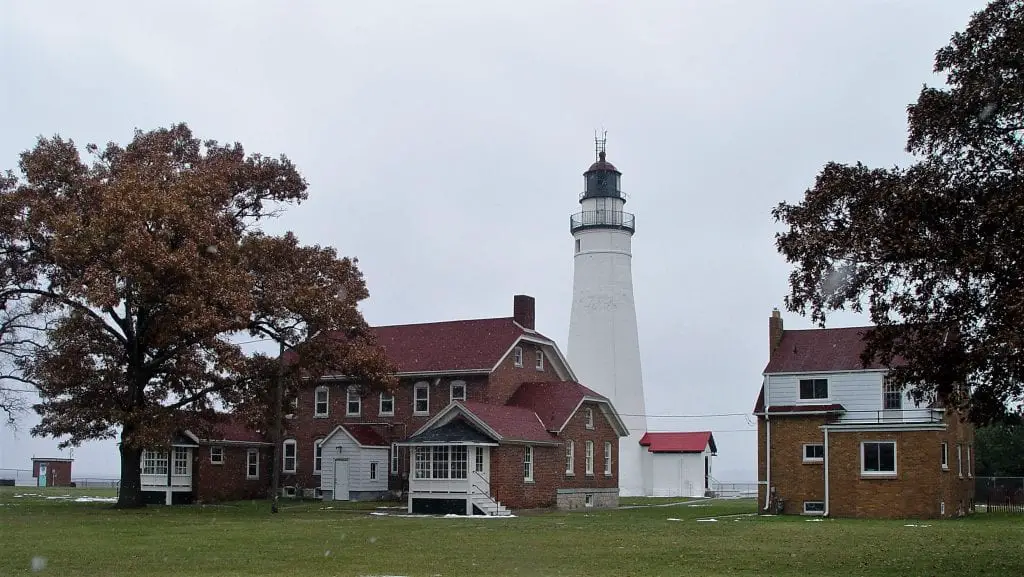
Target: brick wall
[916, 491]
[58, 473]
[507, 377]
[577, 431]
[508, 484]
[794, 480]
[227, 482]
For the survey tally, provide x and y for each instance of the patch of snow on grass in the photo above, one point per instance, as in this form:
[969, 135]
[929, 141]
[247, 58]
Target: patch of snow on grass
[707, 520]
[96, 500]
[673, 519]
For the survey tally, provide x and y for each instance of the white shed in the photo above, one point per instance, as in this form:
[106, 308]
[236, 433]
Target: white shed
[354, 464]
[678, 464]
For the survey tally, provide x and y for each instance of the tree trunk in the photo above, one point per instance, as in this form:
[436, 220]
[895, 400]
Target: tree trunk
[130, 494]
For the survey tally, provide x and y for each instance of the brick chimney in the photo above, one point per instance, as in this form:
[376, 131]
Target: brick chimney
[774, 331]
[524, 311]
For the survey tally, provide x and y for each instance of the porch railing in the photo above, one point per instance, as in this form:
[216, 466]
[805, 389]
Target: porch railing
[483, 488]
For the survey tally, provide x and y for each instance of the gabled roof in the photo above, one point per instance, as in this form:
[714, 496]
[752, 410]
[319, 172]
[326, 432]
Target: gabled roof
[363, 435]
[694, 442]
[455, 431]
[512, 423]
[556, 402]
[820, 350]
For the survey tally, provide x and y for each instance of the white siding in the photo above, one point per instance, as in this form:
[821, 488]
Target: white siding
[859, 392]
[341, 446]
[677, 474]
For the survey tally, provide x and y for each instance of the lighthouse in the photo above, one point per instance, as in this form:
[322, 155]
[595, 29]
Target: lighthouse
[603, 347]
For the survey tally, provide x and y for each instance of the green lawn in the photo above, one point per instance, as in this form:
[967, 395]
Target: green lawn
[309, 539]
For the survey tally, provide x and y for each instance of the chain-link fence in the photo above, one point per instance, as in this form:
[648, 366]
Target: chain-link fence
[1000, 493]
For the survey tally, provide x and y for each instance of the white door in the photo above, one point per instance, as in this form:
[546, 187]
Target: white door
[42, 474]
[480, 462]
[341, 480]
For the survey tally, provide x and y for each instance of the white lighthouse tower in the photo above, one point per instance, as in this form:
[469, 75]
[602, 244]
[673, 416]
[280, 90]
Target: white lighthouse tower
[603, 347]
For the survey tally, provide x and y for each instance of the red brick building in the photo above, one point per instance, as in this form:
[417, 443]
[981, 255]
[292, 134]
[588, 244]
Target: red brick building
[836, 438]
[488, 417]
[52, 471]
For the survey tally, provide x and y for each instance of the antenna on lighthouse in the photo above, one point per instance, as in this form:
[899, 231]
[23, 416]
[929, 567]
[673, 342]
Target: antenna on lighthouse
[600, 141]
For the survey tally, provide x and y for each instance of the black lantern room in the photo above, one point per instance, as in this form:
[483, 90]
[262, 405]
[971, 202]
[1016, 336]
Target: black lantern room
[602, 180]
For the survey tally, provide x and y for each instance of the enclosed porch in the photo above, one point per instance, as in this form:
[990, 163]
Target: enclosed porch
[451, 471]
[167, 475]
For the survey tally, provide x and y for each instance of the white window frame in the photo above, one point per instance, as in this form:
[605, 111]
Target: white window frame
[821, 512]
[284, 456]
[528, 464]
[451, 391]
[396, 461]
[250, 463]
[540, 360]
[895, 460]
[441, 462]
[944, 458]
[969, 473]
[317, 413]
[219, 451]
[588, 499]
[588, 417]
[959, 460]
[578, 245]
[181, 461]
[807, 459]
[517, 356]
[891, 389]
[570, 458]
[318, 453]
[380, 405]
[478, 460]
[802, 399]
[590, 459]
[155, 462]
[607, 458]
[373, 470]
[352, 397]
[420, 386]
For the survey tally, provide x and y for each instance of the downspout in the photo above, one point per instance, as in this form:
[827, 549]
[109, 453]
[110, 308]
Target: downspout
[825, 513]
[767, 447]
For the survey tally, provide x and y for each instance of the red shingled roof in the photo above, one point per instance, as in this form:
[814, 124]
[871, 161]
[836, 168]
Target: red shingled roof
[694, 442]
[235, 429]
[365, 435]
[814, 350]
[554, 402]
[512, 423]
[463, 345]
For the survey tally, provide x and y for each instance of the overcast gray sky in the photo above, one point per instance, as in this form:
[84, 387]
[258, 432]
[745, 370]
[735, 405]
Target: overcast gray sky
[444, 143]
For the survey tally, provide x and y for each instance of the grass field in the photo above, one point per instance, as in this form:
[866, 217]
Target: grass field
[65, 537]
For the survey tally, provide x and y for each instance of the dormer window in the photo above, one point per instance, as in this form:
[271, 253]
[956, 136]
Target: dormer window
[540, 360]
[458, 391]
[517, 355]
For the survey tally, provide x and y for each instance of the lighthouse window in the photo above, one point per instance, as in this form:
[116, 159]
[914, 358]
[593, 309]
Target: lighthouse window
[577, 245]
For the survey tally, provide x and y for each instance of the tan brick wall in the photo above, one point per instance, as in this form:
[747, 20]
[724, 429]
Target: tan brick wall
[794, 480]
[916, 491]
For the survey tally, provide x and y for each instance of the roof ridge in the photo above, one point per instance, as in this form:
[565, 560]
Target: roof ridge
[448, 322]
[830, 329]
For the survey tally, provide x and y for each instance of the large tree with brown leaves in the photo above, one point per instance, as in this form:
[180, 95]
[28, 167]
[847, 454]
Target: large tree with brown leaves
[149, 262]
[935, 250]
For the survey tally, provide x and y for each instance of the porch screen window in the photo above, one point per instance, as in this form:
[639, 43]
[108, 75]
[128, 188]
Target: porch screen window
[181, 461]
[154, 463]
[892, 396]
[879, 458]
[811, 389]
[479, 459]
[252, 464]
[441, 462]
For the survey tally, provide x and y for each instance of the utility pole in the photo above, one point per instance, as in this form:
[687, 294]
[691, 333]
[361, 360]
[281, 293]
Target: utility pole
[278, 402]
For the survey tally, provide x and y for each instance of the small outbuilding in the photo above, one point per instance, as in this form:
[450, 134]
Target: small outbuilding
[678, 464]
[353, 464]
[51, 471]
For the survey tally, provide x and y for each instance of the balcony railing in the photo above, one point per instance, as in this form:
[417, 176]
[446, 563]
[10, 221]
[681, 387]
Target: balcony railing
[602, 219]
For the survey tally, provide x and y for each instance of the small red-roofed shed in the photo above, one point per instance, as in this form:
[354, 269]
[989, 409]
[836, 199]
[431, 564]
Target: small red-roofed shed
[678, 464]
